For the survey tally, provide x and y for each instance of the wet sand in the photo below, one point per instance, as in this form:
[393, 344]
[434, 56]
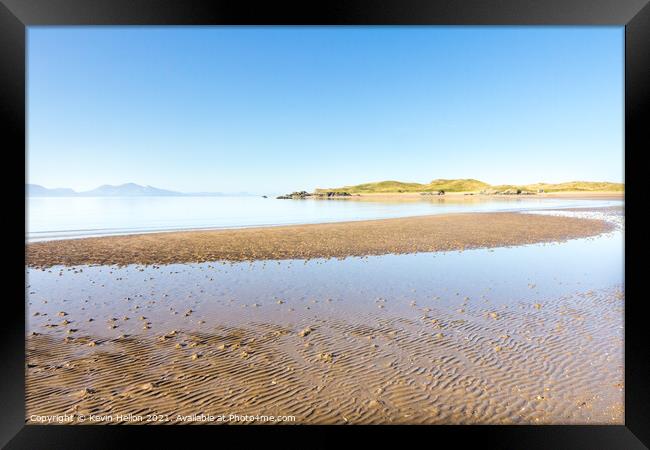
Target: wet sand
[558, 364]
[521, 335]
[332, 240]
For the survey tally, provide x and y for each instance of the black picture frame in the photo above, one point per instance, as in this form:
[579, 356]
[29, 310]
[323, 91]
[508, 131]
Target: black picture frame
[16, 15]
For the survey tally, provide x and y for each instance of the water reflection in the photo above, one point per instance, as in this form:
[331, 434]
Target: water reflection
[57, 218]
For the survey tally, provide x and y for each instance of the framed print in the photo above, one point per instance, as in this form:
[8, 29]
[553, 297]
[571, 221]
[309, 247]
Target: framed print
[410, 216]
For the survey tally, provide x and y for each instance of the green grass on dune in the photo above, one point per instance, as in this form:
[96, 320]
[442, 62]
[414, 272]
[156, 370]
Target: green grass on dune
[384, 187]
[471, 185]
[460, 185]
[587, 186]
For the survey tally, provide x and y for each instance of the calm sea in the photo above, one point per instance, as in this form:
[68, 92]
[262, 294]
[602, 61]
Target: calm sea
[62, 218]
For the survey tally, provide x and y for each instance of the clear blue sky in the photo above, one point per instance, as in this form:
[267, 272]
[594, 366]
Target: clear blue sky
[266, 109]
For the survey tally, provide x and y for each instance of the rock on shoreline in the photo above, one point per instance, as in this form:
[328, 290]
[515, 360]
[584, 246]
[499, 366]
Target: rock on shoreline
[299, 195]
[508, 192]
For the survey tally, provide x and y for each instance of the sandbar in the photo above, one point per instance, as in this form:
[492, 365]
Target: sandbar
[330, 240]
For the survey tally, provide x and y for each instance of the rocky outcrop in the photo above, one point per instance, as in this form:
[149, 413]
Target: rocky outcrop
[295, 195]
[330, 194]
[304, 194]
[506, 192]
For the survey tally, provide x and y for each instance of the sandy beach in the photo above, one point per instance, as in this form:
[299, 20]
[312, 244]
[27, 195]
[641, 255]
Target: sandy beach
[469, 361]
[332, 240]
[150, 337]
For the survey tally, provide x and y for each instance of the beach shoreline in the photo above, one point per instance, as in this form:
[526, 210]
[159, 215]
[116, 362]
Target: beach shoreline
[443, 232]
[392, 338]
[470, 195]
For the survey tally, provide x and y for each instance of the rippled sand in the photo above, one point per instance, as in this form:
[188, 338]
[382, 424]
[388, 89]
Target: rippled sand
[523, 335]
[519, 367]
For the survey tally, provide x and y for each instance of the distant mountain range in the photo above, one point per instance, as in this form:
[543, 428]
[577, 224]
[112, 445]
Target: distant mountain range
[123, 190]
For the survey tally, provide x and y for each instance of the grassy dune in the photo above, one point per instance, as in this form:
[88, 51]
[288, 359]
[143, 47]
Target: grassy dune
[460, 185]
[587, 186]
[471, 185]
